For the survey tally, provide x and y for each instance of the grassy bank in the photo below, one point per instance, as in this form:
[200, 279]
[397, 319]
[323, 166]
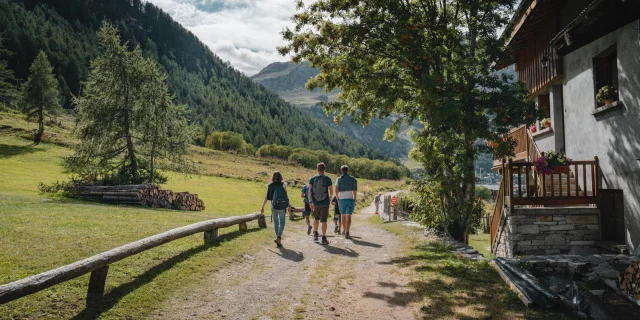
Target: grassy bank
[39, 233]
[451, 287]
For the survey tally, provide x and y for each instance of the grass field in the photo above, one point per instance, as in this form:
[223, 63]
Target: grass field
[39, 233]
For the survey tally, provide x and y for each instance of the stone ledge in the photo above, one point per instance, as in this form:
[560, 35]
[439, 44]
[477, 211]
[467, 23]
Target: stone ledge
[544, 131]
[555, 211]
[607, 107]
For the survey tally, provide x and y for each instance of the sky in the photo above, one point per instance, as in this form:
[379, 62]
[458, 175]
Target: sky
[243, 32]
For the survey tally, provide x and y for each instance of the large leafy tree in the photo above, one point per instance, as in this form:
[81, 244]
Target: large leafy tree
[421, 60]
[126, 117]
[40, 94]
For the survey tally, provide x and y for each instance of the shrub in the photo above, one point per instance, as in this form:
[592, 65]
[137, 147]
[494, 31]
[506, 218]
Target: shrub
[483, 193]
[275, 151]
[225, 141]
[304, 157]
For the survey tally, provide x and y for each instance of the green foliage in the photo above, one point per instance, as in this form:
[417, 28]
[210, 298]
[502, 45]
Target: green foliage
[359, 167]
[218, 97]
[430, 208]
[7, 80]
[605, 93]
[39, 95]
[483, 193]
[430, 62]
[225, 141]
[275, 151]
[126, 118]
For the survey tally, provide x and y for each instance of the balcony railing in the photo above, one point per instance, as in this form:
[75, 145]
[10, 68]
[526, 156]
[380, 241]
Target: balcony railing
[574, 184]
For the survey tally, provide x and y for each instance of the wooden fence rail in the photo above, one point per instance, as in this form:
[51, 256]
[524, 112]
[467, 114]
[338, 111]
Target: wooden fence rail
[98, 265]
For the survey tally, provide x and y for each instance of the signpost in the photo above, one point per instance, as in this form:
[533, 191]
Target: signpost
[394, 200]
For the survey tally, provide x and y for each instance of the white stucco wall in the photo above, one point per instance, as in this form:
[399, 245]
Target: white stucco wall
[613, 136]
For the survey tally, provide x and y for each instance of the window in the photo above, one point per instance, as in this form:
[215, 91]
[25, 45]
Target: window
[605, 71]
[545, 105]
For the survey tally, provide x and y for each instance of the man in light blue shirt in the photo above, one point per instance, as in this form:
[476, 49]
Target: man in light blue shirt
[346, 191]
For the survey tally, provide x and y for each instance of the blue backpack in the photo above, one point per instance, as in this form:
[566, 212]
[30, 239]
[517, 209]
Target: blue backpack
[280, 199]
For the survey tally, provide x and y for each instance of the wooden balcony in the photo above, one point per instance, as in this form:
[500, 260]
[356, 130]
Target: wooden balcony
[523, 186]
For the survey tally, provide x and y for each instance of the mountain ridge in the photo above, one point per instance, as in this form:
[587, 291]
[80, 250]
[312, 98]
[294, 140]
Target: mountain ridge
[220, 98]
[288, 80]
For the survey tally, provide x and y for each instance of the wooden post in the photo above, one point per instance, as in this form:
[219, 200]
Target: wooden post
[596, 178]
[97, 282]
[395, 213]
[510, 181]
[211, 236]
[292, 214]
[243, 226]
[262, 222]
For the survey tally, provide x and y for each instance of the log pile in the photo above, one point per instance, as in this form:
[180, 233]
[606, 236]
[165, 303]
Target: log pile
[150, 195]
[629, 280]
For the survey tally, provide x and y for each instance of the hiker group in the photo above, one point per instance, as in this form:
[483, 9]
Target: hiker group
[318, 196]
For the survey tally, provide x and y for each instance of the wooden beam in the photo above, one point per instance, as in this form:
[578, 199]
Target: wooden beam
[26, 286]
[522, 20]
[511, 285]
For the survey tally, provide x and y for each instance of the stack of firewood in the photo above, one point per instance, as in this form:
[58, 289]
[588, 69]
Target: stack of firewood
[150, 195]
[629, 280]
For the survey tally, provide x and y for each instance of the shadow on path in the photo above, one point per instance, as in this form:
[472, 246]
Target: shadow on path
[295, 256]
[365, 243]
[348, 252]
[95, 307]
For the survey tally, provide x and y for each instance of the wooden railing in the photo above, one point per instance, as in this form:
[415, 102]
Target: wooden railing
[526, 148]
[98, 265]
[497, 212]
[562, 187]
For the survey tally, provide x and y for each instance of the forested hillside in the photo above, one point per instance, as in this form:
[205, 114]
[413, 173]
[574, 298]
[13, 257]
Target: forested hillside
[288, 80]
[220, 98]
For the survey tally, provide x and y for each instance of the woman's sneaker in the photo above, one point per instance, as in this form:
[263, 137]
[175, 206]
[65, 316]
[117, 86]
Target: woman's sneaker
[309, 229]
[336, 230]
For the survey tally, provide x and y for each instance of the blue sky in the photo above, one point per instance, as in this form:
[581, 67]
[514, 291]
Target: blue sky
[243, 32]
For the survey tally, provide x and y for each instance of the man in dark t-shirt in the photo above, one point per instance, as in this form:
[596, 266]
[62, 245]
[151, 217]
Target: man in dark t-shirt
[320, 194]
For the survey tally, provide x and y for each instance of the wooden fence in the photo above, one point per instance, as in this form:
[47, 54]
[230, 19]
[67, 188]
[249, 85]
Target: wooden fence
[98, 265]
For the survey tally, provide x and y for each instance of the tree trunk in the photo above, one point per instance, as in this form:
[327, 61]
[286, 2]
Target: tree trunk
[38, 136]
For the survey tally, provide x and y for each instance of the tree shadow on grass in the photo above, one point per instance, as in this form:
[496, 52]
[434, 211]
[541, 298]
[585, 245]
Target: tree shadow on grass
[8, 151]
[450, 286]
[96, 306]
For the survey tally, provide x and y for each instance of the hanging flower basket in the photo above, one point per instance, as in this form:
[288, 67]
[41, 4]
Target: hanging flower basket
[552, 163]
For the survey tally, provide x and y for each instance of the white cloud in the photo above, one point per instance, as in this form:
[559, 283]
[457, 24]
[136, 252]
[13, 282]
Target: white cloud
[244, 32]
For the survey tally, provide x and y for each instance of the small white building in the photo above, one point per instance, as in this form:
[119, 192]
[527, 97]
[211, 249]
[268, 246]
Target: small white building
[565, 51]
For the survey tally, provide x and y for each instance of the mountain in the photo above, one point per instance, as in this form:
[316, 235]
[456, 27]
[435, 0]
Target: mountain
[288, 80]
[220, 98]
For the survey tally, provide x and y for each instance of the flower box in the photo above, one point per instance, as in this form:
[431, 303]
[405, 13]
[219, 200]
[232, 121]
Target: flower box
[559, 170]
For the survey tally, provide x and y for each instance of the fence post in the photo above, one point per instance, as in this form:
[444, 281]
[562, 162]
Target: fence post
[211, 236]
[243, 226]
[97, 283]
[395, 213]
[262, 222]
[510, 182]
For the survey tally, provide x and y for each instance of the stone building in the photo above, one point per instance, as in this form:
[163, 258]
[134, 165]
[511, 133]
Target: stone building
[566, 51]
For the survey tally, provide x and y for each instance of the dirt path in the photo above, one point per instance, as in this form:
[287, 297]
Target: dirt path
[349, 279]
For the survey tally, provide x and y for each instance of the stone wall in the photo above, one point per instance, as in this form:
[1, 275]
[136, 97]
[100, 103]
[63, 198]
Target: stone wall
[545, 231]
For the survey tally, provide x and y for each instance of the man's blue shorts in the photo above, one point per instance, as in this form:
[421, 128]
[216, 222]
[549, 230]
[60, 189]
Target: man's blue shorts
[346, 206]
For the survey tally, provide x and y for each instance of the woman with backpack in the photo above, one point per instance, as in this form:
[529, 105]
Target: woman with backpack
[277, 194]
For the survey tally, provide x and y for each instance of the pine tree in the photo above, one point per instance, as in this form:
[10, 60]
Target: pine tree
[7, 80]
[126, 117]
[40, 93]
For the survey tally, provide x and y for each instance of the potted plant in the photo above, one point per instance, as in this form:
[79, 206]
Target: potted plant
[545, 123]
[533, 129]
[552, 162]
[607, 94]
